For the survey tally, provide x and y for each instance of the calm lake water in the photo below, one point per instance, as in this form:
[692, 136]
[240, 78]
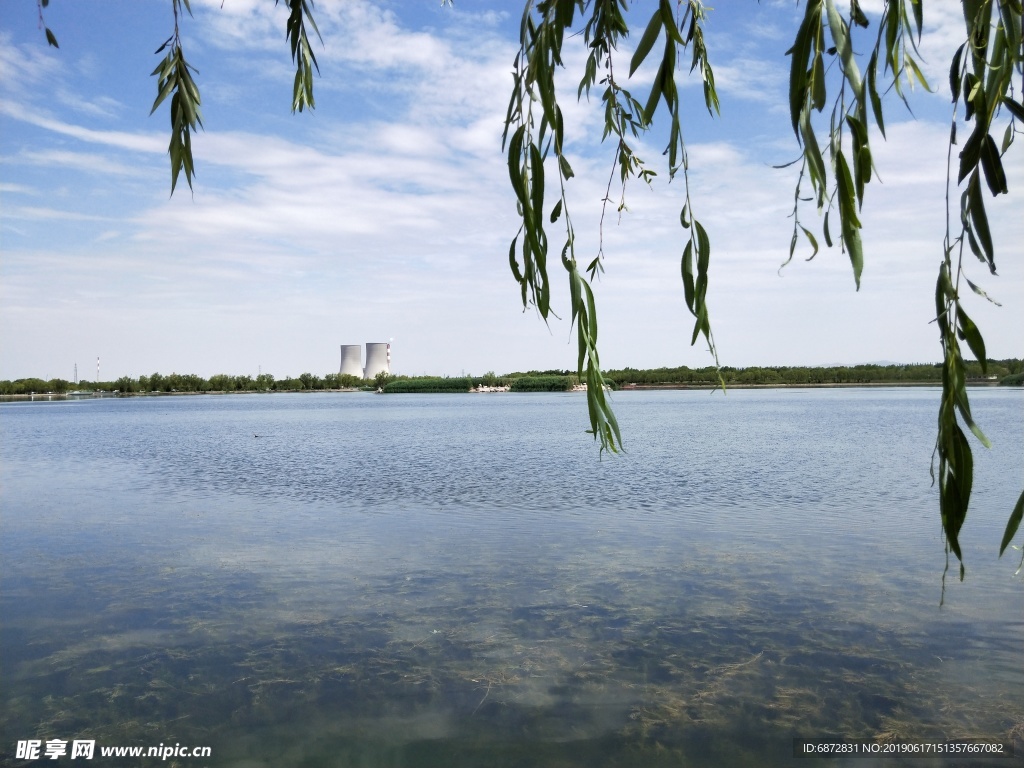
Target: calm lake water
[448, 580]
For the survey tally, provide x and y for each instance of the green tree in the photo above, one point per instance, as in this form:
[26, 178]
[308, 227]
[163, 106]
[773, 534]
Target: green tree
[190, 382]
[835, 95]
[30, 386]
[222, 382]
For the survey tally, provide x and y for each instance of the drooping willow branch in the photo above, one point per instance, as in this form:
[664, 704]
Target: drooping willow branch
[175, 79]
[993, 50]
[532, 137]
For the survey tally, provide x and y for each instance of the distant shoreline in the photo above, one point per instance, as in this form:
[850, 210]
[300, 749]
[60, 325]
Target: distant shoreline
[816, 385]
[1008, 372]
[41, 396]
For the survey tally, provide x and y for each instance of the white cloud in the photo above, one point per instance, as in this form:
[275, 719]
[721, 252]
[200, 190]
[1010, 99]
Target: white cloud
[119, 139]
[24, 67]
[85, 161]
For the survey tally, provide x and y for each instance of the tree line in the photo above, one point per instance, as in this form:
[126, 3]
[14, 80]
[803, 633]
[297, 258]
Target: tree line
[1008, 372]
[188, 382]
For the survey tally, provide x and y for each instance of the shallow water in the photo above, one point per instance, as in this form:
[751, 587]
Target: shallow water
[346, 579]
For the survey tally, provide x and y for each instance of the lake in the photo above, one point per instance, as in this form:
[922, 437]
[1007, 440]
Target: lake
[346, 579]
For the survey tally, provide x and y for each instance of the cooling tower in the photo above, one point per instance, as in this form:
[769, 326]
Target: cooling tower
[378, 358]
[351, 360]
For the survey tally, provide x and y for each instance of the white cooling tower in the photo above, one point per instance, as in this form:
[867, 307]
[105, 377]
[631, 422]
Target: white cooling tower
[378, 358]
[351, 360]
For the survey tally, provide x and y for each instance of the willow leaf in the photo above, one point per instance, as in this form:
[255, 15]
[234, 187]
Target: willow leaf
[650, 37]
[1012, 524]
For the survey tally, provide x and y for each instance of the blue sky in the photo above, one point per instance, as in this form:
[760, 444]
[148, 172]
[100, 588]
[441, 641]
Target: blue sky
[387, 213]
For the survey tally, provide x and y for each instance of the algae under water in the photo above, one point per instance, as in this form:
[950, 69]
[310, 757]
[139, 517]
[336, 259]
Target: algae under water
[409, 581]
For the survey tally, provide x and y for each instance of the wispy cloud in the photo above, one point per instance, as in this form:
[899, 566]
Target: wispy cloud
[83, 161]
[137, 142]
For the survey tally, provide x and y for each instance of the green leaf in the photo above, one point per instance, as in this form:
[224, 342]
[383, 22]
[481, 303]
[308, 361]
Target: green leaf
[861, 157]
[841, 37]
[954, 73]
[537, 169]
[858, 15]
[703, 248]
[860, 134]
[917, 6]
[876, 101]
[946, 284]
[800, 51]
[863, 171]
[815, 161]
[979, 219]
[940, 305]
[963, 406]
[515, 173]
[163, 94]
[970, 333]
[995, 177]
[565, 168]
[970, 155]
[514, 264]
[556, 212]
[686, 267]
[647, 42]
[669, 22]
[955, 479]
[918, 73]
[845, 188]
[856, 250]
[848, 217]
[818, 83]
[812, 240]
[1007, 137]
[1017, 110]
[971, 87]
[175, 151]
[1012, 524]
[981, 293]
[655, 95]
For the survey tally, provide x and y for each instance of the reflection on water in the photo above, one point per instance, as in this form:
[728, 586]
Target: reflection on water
[419, 581]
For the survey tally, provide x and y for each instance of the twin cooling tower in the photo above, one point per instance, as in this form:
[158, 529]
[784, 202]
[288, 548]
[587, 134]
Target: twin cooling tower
[378, 358]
